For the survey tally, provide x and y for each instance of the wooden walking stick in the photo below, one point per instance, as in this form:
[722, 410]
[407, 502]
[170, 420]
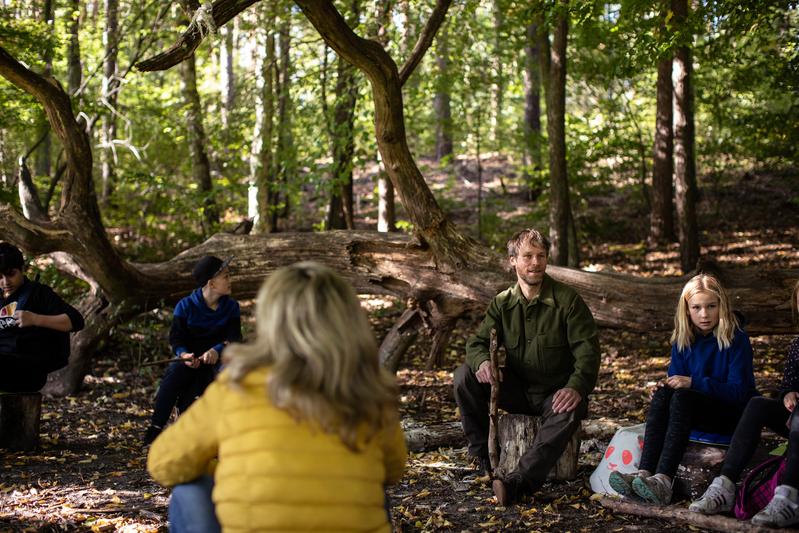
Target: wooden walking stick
[493, 437]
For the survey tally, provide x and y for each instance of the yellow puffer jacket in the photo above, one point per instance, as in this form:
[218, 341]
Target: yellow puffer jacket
[274, 473]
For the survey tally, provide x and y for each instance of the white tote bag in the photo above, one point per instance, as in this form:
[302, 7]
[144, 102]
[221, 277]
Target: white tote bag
[623, 454]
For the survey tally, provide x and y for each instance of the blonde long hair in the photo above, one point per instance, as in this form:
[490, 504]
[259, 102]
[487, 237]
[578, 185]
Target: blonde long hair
[683, 334]
[317, 341]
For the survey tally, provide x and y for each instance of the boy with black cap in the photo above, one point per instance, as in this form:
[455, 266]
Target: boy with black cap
[203, 323]
[34, 326]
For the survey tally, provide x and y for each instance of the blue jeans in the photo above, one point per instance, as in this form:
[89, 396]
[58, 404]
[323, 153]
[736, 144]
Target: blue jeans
[191, 509]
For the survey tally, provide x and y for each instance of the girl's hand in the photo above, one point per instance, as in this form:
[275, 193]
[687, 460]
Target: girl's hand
[678, 382]
[790, 400]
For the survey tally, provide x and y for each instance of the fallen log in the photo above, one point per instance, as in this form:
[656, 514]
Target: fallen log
[420, 438]
[680, 514]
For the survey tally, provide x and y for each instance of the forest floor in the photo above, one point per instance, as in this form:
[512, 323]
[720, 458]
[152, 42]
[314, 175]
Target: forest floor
[89, 473]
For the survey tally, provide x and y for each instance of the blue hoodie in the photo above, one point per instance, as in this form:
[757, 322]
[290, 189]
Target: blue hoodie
[724, 374]
[196, 328]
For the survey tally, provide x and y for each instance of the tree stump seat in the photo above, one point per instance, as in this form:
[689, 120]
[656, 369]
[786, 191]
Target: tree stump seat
[516, 434]
[701, 463]
[20, 417]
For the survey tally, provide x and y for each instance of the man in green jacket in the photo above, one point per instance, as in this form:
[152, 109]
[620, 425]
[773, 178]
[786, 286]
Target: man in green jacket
[552, 347]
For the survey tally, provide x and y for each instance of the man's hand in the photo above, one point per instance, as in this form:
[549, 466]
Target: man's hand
[189, 360]
[483, 373]
[26, 319]
[565, 400]
[790, 400]
[678, 382]
[210, 357]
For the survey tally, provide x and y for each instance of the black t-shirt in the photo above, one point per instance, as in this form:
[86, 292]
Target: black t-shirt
[48, 345]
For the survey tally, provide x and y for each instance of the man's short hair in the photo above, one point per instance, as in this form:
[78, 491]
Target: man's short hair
[10, 258]
[527, 236]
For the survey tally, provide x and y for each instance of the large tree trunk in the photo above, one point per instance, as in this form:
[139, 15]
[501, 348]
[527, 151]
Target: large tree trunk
[442, 99]
[661, 227]
[262, 166]
[684, 156]
[201, 167]
[340, 215]
[43, 162]
[285, 156]
[532, 107]
[109, 95]
[498, 87]
[74, 70]
[553, 60]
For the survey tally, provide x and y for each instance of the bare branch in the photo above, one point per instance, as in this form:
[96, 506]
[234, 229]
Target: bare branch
[221, 12]
[35, 238]
[425, 39]
[58, 108]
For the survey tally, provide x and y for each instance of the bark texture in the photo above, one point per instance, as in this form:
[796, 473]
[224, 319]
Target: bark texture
[661, 226]
[516, 435]
[553, 64]
[20, 416]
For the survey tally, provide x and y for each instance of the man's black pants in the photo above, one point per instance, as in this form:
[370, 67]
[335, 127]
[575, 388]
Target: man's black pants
[22, 372]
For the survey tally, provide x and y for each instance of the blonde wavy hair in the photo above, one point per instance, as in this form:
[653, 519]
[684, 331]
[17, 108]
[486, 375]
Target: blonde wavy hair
[683, 334]
[322, 354]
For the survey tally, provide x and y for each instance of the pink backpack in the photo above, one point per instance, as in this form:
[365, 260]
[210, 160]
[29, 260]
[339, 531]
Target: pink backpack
[758, 487]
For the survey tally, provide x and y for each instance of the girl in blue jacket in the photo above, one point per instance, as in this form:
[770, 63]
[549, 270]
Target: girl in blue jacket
[779, 415]
[710, 380]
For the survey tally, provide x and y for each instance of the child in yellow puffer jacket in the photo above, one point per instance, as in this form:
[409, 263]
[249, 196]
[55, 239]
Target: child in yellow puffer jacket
[304, 421]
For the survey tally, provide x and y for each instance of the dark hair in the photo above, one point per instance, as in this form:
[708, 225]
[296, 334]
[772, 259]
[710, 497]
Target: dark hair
[10, 258]
[527, 236]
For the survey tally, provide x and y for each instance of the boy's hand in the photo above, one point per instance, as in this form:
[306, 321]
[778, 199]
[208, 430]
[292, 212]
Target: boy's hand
[189, 360]
[26, 319]
[210, 357]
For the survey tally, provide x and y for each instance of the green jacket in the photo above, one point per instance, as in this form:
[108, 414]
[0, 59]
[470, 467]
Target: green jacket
[551, 342]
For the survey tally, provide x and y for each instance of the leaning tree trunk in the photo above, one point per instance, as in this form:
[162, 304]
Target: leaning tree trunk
[684, 157]
[201, 167]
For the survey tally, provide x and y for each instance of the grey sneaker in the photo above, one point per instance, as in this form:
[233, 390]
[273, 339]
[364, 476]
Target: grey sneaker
[718, 498]
[781, 511]
[654, 489]
[623, 483]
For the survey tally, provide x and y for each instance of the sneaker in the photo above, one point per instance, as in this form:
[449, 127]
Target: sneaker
[508, 490]
[781, 511]
[718, 498]
[623, 483]
[654, 489]
[150, 435]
